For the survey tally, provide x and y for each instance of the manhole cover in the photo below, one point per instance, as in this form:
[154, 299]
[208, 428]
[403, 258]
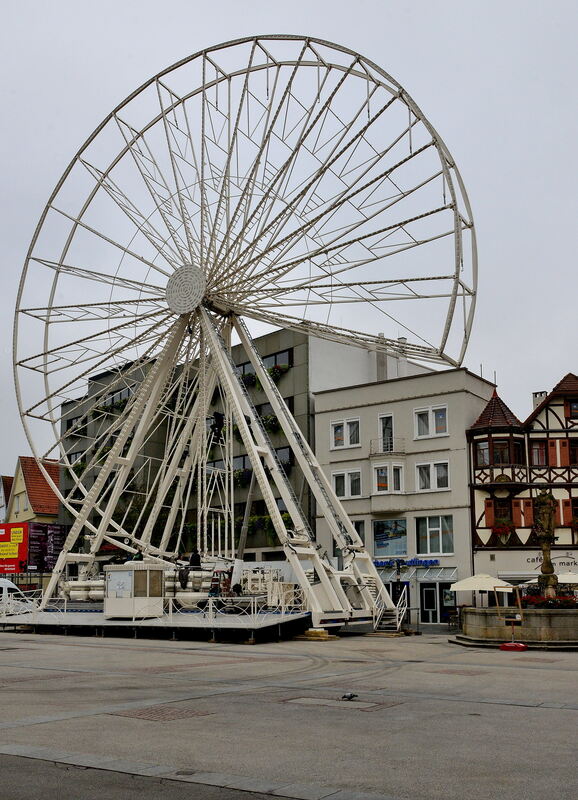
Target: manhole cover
[162, 713]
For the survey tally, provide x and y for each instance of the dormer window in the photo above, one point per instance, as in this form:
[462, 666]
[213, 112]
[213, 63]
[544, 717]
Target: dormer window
[572, 408]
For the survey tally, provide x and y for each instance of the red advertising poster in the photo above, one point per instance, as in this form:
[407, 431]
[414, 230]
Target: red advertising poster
[13, 547]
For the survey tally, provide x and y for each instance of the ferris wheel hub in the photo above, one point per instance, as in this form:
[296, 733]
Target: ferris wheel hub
[186, 289]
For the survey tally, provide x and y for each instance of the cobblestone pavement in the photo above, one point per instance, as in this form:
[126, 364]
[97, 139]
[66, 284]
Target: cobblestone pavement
[431, 720]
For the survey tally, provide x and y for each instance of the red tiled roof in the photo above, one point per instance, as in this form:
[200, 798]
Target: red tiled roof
[41, 497]
[496, 415]
[7, 482]
[567, 386]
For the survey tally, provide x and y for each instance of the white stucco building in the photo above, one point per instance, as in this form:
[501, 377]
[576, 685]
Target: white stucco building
[397, 456]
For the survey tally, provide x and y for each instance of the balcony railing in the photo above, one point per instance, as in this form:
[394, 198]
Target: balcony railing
[384, 446]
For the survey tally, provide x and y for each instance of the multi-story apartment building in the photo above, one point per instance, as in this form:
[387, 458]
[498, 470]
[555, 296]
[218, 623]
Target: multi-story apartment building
[300, 365]
[397, 456]
[511, 463]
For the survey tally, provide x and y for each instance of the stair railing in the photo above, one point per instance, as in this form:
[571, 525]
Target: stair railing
[401, 608]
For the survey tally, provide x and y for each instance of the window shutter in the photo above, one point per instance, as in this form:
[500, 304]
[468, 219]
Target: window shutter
[564, 453]
[557, 516]
[552, 456]
[528, 513]
[567, 511]
[517, 513]
[489, 512]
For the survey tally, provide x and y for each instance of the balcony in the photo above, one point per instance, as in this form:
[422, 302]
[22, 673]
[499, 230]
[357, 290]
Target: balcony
[500, 473]
[392, 445]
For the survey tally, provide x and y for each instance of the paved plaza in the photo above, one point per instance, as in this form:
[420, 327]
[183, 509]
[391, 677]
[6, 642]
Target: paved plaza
[431, 720]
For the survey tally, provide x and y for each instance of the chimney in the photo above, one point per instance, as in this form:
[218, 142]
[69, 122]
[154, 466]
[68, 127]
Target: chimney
[402, 363]
[381, 361]
[537, 398]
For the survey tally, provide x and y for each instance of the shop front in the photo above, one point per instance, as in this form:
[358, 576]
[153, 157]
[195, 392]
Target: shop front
[427, 583]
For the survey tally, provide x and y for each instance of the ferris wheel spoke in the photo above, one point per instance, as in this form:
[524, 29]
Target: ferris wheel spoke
[342, 335]
[158, 188]
[85, 342]
[125, 250]
[243, 203]
[183, 157]
[98, 360]
[275, 271]
[223, 189]
[325, 166]
[88, 312]
[307, 127]
[141, 222]
[333, 236]
[99, 277]
[305, 191]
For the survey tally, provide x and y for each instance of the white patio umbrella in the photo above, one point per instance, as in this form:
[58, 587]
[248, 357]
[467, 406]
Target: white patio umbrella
[481, 583]
[563, 577]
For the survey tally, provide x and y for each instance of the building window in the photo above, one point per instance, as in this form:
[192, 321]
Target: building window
[573, 452]
[359, 525]
[388, 479]
[72, 457]
[482, 453]
[345, 433]
[435, 535]
[389, 537]
[386, 433]
[572, 409]
[518, 449]
[381, 479]
[284, 358]
[17, 504]
[432, 477]
[431, 422]
[347, 484]
[501, 448]
[538, 453]
[25, 501]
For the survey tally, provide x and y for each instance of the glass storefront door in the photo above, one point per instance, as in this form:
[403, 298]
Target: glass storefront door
[428, 602]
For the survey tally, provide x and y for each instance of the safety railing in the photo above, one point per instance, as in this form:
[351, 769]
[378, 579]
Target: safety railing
[20, 602]
[246, 609]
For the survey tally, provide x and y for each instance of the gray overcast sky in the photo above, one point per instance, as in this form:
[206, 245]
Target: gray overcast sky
[497, 80]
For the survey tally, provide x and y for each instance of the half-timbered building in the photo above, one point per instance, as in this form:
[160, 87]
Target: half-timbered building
[511, 462]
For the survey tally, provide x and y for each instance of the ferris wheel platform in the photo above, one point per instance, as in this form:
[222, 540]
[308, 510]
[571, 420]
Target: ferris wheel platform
[208, 620]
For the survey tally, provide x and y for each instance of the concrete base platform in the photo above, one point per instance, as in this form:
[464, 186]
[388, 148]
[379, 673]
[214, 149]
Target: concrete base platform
[470, 641]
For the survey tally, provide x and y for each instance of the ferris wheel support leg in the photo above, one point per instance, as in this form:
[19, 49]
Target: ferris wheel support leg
[140, 414]
[324, 596]
[358, 563]
[172, 467]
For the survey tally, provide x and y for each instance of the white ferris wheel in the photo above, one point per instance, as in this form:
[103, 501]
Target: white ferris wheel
[269, 182]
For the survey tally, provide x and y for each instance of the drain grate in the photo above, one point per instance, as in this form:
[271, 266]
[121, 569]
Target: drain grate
[162, 713]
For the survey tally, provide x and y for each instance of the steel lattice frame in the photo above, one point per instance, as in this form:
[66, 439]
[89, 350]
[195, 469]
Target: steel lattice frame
[269, 179]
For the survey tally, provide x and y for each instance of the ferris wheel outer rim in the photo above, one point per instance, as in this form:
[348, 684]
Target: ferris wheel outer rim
[448, 164]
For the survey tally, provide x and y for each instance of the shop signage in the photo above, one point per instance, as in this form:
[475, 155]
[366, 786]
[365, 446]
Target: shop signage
[409, 562]
[561, 560]
[13, 547]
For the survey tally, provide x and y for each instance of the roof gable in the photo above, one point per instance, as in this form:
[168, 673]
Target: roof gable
[40, 495]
